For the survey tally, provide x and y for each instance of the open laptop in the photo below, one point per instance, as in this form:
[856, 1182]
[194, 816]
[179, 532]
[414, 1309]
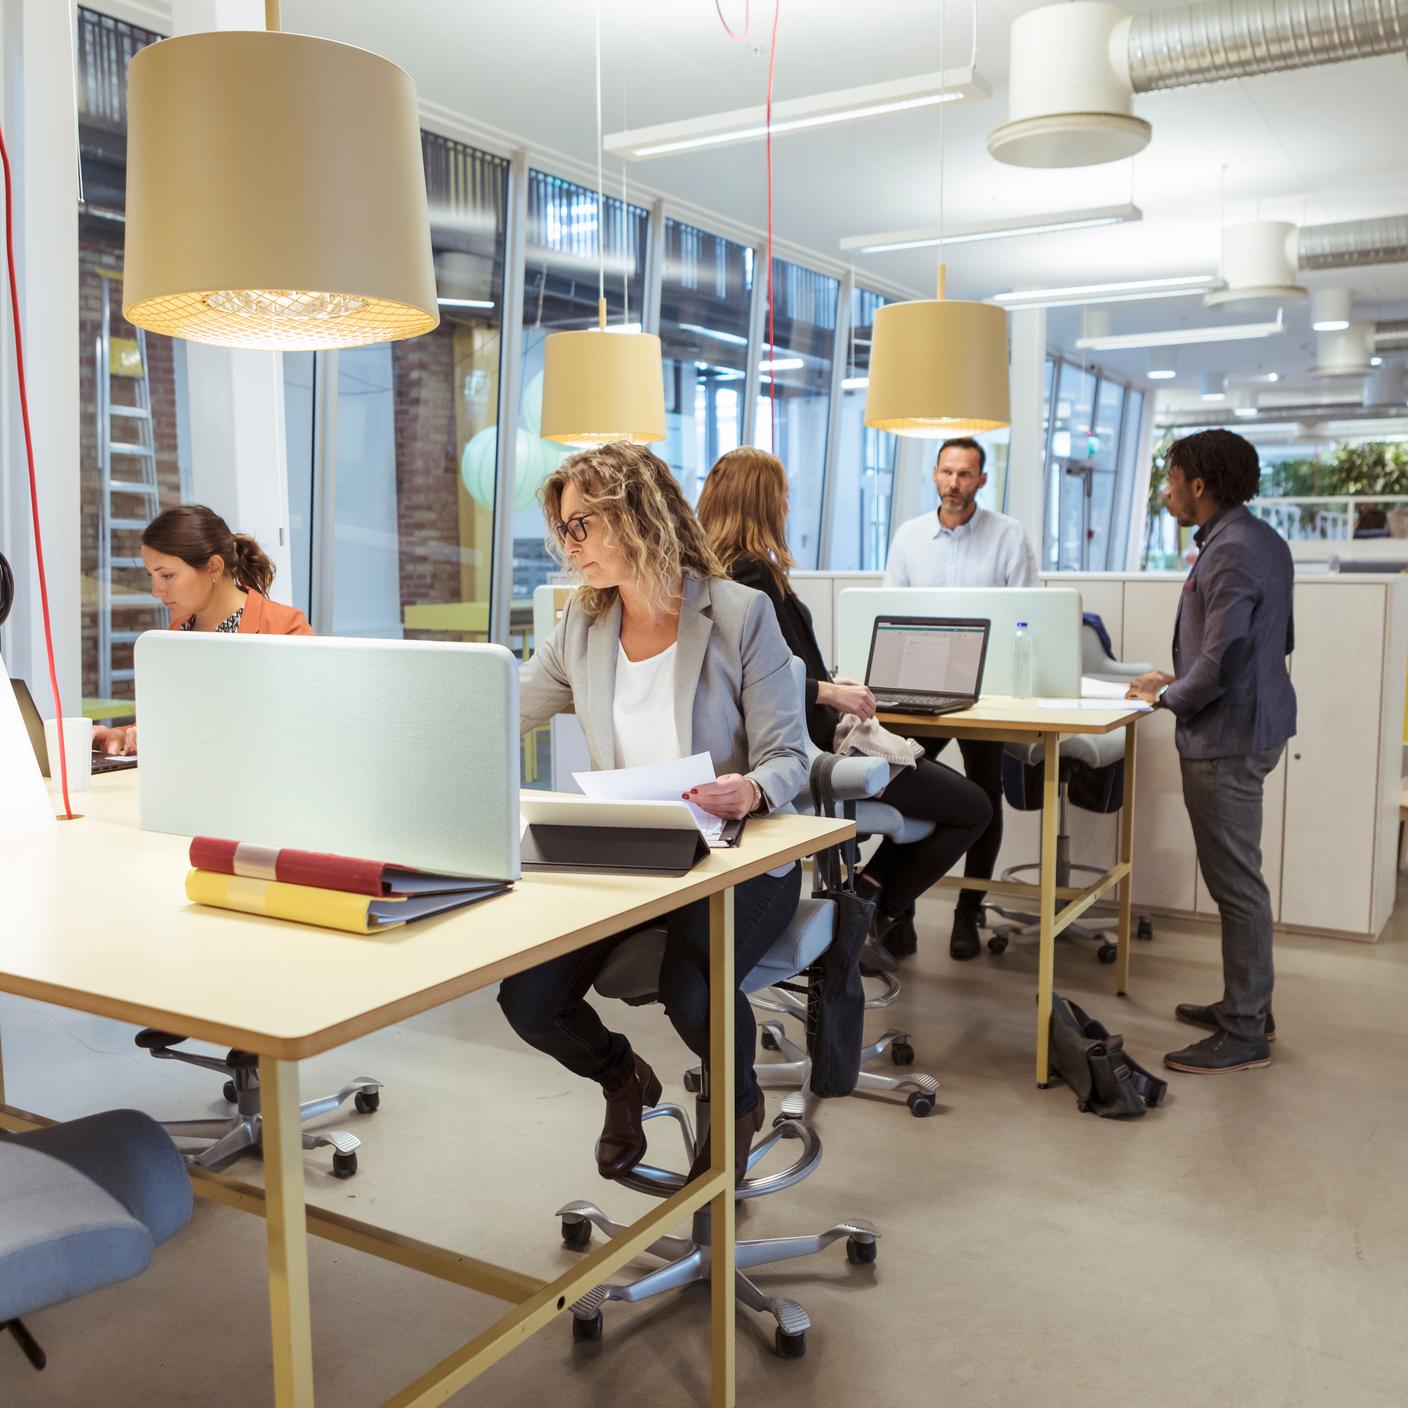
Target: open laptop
[926, 664]
[34, 726]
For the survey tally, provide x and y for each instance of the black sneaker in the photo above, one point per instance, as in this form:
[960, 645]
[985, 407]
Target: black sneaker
[1197, 1016]
[964, 942]
[1222, 1052]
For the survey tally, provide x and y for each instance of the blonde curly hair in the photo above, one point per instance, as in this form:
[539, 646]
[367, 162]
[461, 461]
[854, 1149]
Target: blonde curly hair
[642, 513]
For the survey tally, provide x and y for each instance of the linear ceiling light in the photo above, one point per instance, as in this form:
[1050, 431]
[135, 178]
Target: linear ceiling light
[719, 129]
[998, 230]
[1172, 337]
[735, 338]
[465, 302]
[781, 364]
[1126, 291]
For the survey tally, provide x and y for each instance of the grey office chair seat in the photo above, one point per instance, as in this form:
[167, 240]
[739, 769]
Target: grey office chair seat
[83, 1205]
[632, 974]
[1092, 750]
[881, 819]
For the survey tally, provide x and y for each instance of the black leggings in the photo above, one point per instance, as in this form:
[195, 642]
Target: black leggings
[982, 763]
[960, 811]
[547, 1005]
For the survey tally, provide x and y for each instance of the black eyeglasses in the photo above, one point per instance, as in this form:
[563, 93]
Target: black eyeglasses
[575, 527]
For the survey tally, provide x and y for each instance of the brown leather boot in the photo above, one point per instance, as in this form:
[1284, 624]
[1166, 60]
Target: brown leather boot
[745, 1127]
[622, 1143]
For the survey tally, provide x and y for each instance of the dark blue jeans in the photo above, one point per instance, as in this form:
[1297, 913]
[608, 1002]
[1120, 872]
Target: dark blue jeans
[547, 1005]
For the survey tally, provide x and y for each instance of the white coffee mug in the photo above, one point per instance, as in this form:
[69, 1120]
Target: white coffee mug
[78, 744]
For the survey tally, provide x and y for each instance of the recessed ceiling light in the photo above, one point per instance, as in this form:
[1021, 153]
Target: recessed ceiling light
[930, 235]
[1273, 376]
[1163, 374]
[1376, 361]
[922, 90]
[1246, 412]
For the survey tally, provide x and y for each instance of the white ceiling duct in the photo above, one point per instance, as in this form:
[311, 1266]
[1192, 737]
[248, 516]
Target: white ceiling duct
[1257, 265]
[1076, 67]
[1345, 352]
[1353, 242]
[1391, 336]
[1384, 386]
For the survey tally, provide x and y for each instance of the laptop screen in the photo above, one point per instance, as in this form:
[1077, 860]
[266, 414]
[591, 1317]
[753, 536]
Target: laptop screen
[927, 656]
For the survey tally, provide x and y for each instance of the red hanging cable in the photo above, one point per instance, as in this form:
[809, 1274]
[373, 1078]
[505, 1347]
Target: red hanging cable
[772, 346]
[747, 21]
[33, 487]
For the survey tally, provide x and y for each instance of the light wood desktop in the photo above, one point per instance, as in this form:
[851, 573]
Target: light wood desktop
[1001, 719]
[98, 921]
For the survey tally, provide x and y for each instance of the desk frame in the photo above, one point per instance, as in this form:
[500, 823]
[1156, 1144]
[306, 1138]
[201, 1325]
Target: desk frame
[1075, 901]
[534, 1302]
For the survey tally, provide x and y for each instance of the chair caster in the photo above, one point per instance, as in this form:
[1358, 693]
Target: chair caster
[1107, 953]
[997, 944]
[344, 1165]
[577, 1234]
[789, 1346]
[368, 1102]
[586, 1331]
[767, 1040]
[779, 1120]
[902, 1053]
[860, 1253]
[693, 1082]
[920, 1104]
[982, 916]
[230, 1093]
[1146, 928]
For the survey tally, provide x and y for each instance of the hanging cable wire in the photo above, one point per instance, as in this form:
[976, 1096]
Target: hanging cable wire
[943, 105]
[747, 21]
[772, 346]
[33, 485]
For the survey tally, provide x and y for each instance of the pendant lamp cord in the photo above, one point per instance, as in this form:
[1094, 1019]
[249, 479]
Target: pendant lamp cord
[600, 186]
[772, 345]
[33, 484]
[943, 109]
[747, 21]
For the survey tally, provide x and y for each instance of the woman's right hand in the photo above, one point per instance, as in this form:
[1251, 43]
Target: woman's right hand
[849, 696]
[113, 741]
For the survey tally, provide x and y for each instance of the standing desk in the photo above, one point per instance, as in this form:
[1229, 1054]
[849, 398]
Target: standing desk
[1001, 719]
[101, 924]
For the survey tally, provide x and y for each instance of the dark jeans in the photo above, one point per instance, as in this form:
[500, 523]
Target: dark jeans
[547, 1005]
[1223, 797]
[982, 762]
[960, 813]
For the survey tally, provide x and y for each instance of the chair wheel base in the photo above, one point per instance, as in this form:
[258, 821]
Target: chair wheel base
[1107, 953]
[789, 1346]
[586, 1331]
[368, 1102]
[997, 944]
[860, 1253]
[344, 1165]
[921, 1104]
[576, 1234]
[902, 1053]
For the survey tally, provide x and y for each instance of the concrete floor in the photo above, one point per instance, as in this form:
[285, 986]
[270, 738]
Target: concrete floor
[1245, 1245]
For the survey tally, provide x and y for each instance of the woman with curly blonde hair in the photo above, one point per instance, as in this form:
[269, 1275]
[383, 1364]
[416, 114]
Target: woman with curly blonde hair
[662, 657]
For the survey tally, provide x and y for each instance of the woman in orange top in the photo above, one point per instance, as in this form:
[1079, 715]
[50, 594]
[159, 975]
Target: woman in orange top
[209, 579]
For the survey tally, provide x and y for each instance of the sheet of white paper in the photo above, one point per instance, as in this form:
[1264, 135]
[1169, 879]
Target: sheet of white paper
[1092, 688]
[657, 782]
[1102, 706]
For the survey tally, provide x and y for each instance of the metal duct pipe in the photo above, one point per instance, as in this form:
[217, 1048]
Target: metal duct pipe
[1076, 67]
[1353, 242]
[1219, 39]
[1391, 336]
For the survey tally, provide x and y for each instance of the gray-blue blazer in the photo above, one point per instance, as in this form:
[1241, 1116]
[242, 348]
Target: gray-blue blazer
[735, 696]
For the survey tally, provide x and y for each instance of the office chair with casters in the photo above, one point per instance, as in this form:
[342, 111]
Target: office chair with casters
[1091, 777]
[632, 974]
[243, 1131]
[857, 782]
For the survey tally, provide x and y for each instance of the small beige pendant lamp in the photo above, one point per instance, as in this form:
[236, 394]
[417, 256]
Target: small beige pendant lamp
[938, 367]
[601, 386]
[275, 193]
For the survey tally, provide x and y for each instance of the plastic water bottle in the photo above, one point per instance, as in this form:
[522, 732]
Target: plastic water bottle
[1023, 654]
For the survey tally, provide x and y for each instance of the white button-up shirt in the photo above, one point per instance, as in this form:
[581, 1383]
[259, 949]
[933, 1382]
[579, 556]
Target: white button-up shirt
[990, 550]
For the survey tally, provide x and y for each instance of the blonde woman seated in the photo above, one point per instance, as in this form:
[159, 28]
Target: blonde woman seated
[662, 657]
[743, 507]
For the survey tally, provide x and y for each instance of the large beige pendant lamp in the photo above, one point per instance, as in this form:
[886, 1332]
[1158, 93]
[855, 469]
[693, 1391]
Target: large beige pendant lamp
[275, 193]
[600, 386]
[938, 367]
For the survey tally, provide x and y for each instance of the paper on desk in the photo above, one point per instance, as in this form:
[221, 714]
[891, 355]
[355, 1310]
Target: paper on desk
[1103, 706]
[1092, 688]
[657, 782]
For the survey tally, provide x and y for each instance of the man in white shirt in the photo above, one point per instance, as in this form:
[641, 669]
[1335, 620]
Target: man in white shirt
[962, 545]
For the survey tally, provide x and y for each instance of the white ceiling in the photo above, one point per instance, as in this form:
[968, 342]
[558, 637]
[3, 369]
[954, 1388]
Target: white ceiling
[1310, 146]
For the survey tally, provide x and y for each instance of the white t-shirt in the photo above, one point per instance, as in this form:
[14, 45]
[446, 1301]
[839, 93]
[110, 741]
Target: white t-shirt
[643, 710]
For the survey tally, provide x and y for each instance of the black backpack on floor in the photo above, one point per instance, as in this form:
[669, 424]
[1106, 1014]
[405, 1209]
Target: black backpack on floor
[1107, 1080]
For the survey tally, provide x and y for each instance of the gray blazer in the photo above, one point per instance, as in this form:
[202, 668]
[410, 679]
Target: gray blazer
[1233, 694]
[735, 696]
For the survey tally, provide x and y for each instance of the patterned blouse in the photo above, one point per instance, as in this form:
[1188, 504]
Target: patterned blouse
[230, 626]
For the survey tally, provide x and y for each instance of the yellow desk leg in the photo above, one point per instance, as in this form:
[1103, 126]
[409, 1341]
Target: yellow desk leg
[287, 1233]
[1046, 952]
[1127, 856]
[721, 1077]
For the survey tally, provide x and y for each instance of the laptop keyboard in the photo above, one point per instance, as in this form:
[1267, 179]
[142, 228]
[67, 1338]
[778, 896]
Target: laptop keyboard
[894, 701]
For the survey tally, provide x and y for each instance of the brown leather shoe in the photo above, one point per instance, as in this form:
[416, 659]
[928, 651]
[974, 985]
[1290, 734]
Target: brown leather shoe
[622, 1143]
[745, 1127]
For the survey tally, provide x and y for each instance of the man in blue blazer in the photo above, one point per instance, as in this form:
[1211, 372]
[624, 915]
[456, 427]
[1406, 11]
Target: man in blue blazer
[1236, 708]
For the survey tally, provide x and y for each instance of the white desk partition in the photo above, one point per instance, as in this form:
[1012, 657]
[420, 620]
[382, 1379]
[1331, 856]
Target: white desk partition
[1054, 617]
[391, 750]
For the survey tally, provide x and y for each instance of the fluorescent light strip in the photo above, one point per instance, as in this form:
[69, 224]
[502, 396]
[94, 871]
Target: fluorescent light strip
[1163, 374]
[731, 337]
[465, 302]
[1044, 224]
[1127, 291]
[922, 90]
[781, 364]
[1173, 337]
[854, 383]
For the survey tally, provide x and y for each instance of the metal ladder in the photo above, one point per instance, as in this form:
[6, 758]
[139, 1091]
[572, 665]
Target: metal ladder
[128, 498]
